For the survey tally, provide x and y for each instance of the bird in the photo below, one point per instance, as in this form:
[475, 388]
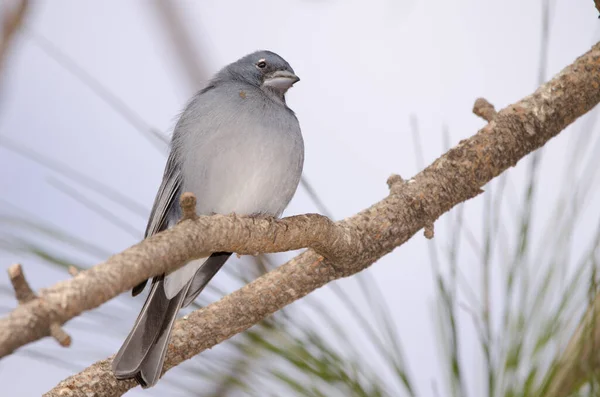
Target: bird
[238, 148]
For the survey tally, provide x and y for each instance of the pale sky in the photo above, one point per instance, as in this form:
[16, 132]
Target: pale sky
[366, 67]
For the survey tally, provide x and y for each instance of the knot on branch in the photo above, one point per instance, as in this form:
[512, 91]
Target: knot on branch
[484, 109]
[188, 207]
[25, 294]
[393, 179]
[429, 230]
[394, 183]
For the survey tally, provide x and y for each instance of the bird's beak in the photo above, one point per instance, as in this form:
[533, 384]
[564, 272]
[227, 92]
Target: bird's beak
[281, 80]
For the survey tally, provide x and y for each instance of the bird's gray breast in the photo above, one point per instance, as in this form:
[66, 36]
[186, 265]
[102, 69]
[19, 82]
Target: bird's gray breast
[239, 152]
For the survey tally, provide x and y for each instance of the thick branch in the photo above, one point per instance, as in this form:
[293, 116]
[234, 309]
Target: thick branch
[23, 291]
[162, 253]
[350, 245]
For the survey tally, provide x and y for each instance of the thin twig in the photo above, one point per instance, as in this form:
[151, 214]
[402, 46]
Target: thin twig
[188, 207]
[25, 294]
[484, 109]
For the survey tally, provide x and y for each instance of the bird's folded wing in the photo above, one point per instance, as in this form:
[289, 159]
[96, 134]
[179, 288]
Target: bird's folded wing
[165, 208]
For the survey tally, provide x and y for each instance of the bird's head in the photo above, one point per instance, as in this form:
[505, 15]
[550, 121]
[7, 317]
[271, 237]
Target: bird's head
[263, 69]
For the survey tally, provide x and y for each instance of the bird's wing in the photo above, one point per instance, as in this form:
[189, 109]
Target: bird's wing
[164, 203]
[165, 207]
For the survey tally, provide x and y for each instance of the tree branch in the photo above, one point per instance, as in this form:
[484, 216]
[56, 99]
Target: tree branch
[484, 109]
[190, 239]
[25, 294]
[344, 248]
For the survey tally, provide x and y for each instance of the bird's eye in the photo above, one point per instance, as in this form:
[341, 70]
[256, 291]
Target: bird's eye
[261, 64]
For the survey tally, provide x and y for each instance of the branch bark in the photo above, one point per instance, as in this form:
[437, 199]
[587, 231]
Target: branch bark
[165, 252]
[339, 249]
[25, 294]
[484, 109]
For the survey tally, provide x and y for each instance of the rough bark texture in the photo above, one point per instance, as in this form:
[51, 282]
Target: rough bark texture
[484, 109]
[25, 294]
[163, 253]
[349, 246]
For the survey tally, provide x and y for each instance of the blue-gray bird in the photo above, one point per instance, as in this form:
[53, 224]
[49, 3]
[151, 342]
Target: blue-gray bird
[239, 149]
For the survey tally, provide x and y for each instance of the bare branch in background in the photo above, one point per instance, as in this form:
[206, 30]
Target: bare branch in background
[25, 294]
[349, 246]
[188, 51]
[11, 22]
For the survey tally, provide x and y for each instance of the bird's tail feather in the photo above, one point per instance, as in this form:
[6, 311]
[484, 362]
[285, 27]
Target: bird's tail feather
[143, 352]
[151, 366]
[204, 274]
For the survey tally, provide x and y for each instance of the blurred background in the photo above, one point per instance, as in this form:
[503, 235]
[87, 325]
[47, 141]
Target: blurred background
[90, 92]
